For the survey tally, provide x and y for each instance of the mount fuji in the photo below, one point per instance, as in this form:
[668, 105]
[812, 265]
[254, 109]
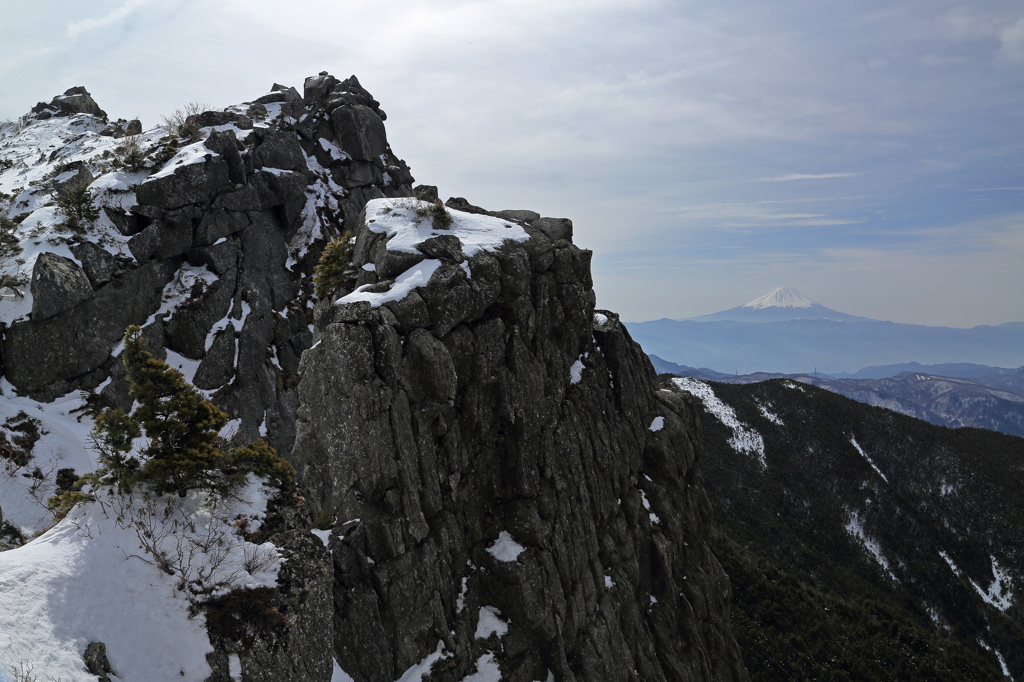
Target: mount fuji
[785, 331]
[778, 305]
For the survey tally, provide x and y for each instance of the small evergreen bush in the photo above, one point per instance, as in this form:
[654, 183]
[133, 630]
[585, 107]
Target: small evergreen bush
[334, 272]
[75, 206]
[130, 154]
[438, 214]
[181, 428]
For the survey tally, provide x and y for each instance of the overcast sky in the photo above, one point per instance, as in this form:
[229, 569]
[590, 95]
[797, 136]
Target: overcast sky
[867, 153]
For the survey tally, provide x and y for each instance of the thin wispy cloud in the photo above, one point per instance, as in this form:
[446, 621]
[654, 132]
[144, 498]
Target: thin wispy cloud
[806, 176]
[120, 13]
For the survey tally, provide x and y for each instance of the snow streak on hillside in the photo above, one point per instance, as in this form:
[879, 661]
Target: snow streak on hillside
[744, 438]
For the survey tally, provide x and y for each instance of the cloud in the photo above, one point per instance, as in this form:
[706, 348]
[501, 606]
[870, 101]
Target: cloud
[120, 13]
[1012, 42]
[806, 176]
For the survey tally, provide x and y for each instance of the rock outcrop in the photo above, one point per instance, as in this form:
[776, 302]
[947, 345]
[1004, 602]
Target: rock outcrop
[235, 237]
[499, 459]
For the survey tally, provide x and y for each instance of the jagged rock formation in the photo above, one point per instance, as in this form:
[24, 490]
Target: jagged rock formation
[494, 403]
[508, 486]
[240, 229]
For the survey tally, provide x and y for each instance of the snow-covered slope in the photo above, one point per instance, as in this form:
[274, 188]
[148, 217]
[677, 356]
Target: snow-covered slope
[91, 579]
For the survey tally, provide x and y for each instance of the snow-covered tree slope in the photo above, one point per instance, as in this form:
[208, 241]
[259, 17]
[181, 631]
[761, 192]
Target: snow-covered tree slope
[865, 504]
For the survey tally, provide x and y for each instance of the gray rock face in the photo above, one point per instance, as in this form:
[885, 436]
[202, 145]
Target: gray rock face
[491, 413]
[58, 284]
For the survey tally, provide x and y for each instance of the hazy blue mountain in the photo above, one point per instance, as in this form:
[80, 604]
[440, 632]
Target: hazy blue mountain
[794, 334]
[958, 370]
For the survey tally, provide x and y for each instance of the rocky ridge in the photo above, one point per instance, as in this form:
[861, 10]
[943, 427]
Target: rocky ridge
[506, 485]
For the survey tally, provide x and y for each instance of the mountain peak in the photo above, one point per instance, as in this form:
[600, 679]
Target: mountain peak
[780, 297]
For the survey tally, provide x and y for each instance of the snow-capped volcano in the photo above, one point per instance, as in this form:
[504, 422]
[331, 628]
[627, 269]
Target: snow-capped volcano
[780, 305]
[780, 297]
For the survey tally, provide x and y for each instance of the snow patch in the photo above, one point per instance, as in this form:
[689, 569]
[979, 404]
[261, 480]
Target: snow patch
[81, 582]
[416, 671]
[490, 623]
[865, 456]
[744, 438]
[576, 371]
[999, 594]
[416, 276]
[487, 670]
[657, 425]
[340, 675]
[769, 415]
[505, 548]
[647, 505]
[855, 528]
[406, 230]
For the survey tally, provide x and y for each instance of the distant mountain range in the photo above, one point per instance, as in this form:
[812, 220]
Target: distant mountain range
[786, 332]
[993, 399]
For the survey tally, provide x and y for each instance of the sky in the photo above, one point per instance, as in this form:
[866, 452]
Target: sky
[869, 154]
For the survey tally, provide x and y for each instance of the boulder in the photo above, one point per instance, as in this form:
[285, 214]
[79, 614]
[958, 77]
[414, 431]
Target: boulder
[76, 100]
[95, 659]
[360, 131]
[99, 265]
[191, 184]
[554, 228]
[58, 284]
[426, 193]
[278, 149]
[520, 216]
[460, 204]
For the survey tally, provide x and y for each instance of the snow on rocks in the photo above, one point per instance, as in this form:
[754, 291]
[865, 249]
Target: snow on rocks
[744, 438]
[490, 623]
[63, 443]
[416, 276]
[576, 371]
[417, 671]
[487, 670]
[657, 425]
[407, 230]
[407, 224]
[505, 548]
[999, 594]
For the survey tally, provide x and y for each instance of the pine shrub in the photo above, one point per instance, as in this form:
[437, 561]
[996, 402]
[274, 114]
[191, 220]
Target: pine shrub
[75, 206]
[181, 428]
[334, 272]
